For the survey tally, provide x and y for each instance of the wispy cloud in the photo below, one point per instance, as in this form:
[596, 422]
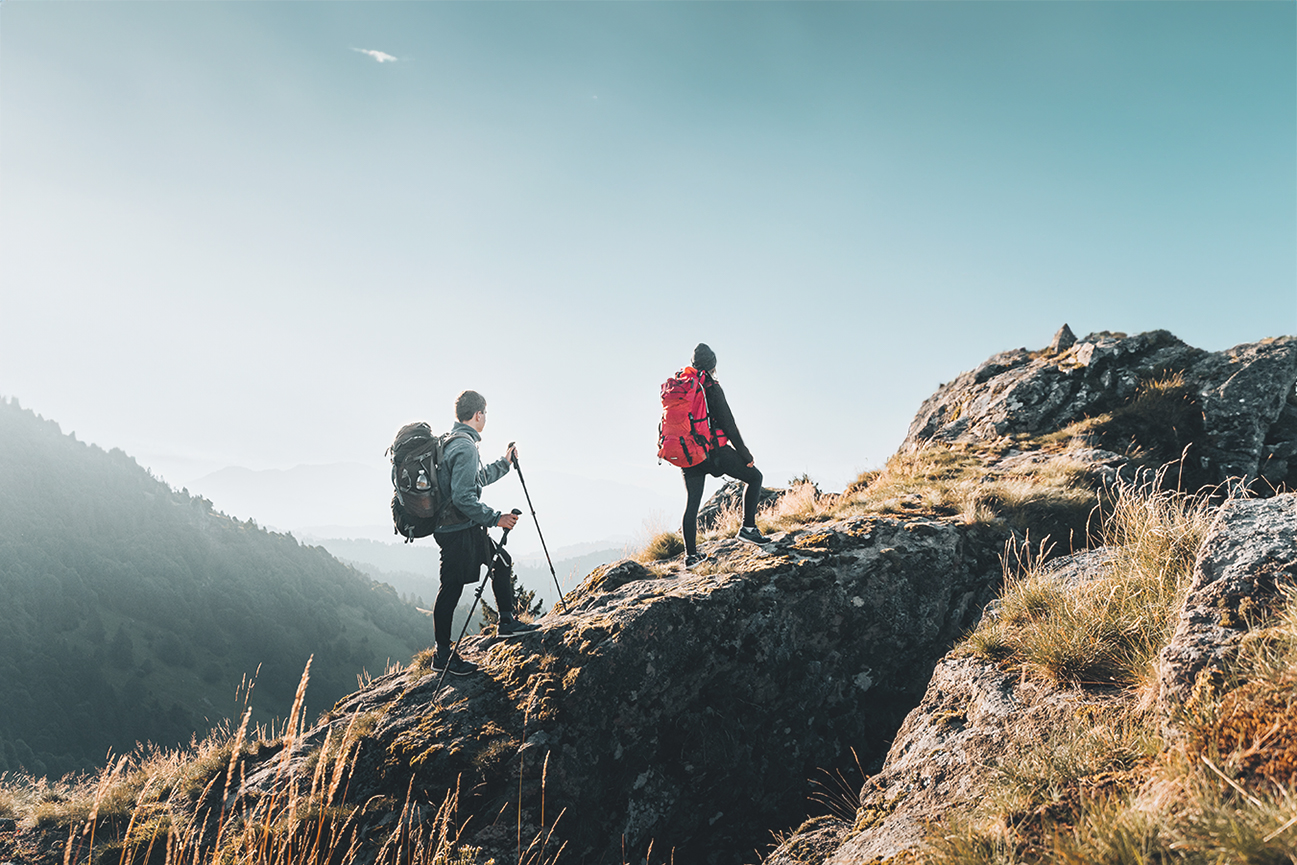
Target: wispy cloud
[380, 56]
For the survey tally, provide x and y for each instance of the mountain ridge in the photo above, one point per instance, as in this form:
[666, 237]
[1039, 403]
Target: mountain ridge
[671, 712]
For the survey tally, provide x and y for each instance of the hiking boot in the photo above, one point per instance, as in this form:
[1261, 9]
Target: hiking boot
[695, 559]
[752, 535]
[452, 663]
[514, 628]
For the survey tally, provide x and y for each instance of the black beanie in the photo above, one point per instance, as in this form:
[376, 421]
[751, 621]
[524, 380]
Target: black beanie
[704, 358]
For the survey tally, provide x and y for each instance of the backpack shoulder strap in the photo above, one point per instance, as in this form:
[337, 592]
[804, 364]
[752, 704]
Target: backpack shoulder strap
[444, 440]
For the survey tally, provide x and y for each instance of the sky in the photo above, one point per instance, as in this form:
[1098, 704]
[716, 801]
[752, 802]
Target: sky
[245, 242]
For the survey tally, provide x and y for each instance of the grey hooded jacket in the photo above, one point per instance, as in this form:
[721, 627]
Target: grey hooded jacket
[461, 468]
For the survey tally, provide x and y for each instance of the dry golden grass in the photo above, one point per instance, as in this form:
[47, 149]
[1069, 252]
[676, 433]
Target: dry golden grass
[662, 546]
[182, 807]
[1108, 630]
[1053, 498]
[1109, 788]
[802, 505]
[726, 525]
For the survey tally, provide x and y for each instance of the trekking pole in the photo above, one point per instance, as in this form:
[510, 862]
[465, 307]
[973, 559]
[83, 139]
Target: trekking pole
[538, 532]
[481, 587]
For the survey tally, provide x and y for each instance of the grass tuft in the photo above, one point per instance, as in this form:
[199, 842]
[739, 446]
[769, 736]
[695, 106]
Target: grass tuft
[801, 505]
[1109, 630]
[662, 546]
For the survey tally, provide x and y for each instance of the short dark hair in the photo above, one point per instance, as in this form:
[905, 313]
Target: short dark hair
[469, 403]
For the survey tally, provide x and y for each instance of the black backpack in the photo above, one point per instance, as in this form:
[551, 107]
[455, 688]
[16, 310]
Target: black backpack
[418, 501]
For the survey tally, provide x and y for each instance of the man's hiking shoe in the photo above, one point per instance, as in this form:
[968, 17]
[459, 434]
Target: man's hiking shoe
[514, 628]
[452, 663]
[752, 535]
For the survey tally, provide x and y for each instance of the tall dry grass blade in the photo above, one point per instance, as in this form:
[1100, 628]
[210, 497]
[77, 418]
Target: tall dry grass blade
[67, 851]
[544, 779]
[548, 836]
[107, 778]
[235, 754]
[341, 764]
[1282, 829]
[1230, 781]
[295, 716]
[291, 734]
[130, 824]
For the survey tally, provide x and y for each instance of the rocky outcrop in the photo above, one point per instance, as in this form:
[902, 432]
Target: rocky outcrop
[974, 713]
[1238, 420]
[1245, 568]
[687, 710]
[971, 713]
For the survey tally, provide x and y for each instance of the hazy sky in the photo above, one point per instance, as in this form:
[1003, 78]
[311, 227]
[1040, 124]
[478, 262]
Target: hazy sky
[268, 234]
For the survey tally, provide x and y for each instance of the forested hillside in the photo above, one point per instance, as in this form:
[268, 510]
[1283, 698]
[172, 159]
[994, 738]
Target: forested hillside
[131, 612]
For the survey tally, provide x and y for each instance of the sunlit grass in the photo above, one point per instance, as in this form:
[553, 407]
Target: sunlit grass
[189, 806]
[1116, 785]
[1110, 629]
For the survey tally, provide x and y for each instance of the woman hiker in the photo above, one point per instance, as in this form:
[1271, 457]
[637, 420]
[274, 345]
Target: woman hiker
[732, 459]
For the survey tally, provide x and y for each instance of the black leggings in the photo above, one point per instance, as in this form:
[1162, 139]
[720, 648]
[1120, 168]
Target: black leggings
[462, 555]
[722, 461]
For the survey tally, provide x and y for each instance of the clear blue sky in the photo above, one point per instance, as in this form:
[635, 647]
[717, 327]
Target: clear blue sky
[228, 236]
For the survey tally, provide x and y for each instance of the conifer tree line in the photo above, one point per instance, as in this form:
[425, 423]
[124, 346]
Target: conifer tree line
[131, 611]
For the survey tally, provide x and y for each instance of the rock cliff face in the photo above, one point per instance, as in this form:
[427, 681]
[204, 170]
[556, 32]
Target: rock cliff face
[1238, 420]
[686, 710]
[974, 713]
[1243, 571]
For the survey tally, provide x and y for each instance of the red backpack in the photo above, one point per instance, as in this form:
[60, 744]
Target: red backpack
[685, 435]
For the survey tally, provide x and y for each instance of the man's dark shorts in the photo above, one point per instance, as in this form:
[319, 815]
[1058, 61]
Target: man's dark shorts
[462, 555]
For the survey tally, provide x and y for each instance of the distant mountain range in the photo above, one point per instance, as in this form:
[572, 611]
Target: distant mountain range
[133, 612]
[350, 500]
[348, 494]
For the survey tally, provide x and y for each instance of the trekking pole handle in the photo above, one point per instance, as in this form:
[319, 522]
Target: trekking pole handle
[504, 537]
[515, 457]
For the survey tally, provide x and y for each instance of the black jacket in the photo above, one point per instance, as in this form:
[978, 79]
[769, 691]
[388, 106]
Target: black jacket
[718, 411]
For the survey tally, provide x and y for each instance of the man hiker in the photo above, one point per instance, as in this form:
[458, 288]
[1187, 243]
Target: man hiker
[462, 536]
[732, 458]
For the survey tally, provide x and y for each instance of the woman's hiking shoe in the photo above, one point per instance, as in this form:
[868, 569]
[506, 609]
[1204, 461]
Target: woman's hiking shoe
[513, 628]
[752, 535]
[452, 663]
[695, 559]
